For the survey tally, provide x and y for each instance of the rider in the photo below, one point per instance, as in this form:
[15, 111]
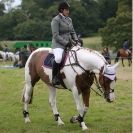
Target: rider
[6, 50]
[126, 47]
[63, 34]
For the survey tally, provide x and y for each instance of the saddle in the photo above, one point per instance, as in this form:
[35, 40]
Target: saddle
[127, 51]
[50, 58]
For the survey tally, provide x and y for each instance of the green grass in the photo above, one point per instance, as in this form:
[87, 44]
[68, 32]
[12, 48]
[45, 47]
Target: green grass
[102, 117]
[93, 42]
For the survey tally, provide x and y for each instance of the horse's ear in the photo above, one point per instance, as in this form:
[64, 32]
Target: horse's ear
[116, 65]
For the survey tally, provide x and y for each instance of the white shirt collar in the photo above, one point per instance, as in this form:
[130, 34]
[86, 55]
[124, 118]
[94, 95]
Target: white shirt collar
[62, 15]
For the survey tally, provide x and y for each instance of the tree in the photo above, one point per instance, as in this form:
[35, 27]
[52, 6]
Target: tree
[33, 19]
[118, 28]
[107, 9]
[7, 23]
[2, 8]
[29, 30]
[85, 17]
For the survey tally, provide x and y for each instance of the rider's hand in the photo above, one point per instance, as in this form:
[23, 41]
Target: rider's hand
[76, 42]
[69, 44]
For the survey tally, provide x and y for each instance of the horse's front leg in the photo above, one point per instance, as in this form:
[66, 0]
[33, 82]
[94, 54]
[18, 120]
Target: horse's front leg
[81, 109]
[52, 101]
[86, 96]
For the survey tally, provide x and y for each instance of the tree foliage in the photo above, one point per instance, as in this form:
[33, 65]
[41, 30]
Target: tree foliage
[118, 28]
[2, 8]
[33, 19]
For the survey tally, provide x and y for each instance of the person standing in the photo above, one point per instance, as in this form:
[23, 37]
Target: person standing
[63, 35]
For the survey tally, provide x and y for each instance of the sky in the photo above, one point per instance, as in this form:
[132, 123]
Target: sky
[16, 3]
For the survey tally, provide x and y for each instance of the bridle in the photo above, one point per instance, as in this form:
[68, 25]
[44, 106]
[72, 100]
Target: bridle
[103, 73]
[76, 63]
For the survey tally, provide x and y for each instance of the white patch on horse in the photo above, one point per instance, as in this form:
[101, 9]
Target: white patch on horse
[48, 71]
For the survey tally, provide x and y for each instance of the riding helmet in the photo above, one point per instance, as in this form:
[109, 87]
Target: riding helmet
[63, 5]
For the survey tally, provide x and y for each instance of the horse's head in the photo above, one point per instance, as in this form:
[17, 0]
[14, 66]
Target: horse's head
[107, 78]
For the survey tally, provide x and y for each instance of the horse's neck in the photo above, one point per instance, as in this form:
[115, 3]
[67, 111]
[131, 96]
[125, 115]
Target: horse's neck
[90, 59]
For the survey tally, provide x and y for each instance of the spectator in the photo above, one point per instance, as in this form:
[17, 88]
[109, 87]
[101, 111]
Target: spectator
[6, 49]
[24, 54]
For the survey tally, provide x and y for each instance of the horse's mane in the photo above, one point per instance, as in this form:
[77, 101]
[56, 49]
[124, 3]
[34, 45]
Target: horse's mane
[96, 53]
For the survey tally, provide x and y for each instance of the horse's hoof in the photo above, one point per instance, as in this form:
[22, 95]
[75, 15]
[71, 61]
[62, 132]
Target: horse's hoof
[60, 122]
[27, 120]
[84, 127]
[74, 119]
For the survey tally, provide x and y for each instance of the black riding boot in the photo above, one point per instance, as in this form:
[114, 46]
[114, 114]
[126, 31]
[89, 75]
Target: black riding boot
[55, 73]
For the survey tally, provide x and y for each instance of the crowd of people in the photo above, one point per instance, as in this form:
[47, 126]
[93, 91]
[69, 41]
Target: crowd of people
[24, 53]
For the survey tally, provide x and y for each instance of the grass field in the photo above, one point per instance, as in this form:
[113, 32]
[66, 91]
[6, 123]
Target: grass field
[93, 42]
[102, 117]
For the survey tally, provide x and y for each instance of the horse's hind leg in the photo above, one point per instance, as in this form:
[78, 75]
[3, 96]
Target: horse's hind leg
[52, 101]
[129, 62]
[27, 94]
[122, 62]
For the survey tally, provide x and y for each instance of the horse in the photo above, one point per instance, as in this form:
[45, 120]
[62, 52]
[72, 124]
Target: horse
[10, 56]
[124, 54]
[3, 55]
[7, 56]
[17, 59]
[77, 75]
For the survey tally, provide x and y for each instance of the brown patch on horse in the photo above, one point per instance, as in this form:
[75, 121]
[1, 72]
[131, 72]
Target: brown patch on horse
[36, 70]
[39, 58]
[63, 76]
[83, 83]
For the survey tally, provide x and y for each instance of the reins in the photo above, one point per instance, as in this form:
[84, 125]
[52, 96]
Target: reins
[76, 63]
[98, 87]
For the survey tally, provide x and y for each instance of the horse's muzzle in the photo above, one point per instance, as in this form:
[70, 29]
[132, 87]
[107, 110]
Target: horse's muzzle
[109, 101]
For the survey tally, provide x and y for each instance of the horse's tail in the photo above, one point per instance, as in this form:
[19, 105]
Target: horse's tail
[117, 57]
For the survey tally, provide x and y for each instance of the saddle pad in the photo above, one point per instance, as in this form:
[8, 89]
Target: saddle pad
[50, 58]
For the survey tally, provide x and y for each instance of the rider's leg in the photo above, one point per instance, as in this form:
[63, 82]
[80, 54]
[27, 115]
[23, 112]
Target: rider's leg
[58, 52]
